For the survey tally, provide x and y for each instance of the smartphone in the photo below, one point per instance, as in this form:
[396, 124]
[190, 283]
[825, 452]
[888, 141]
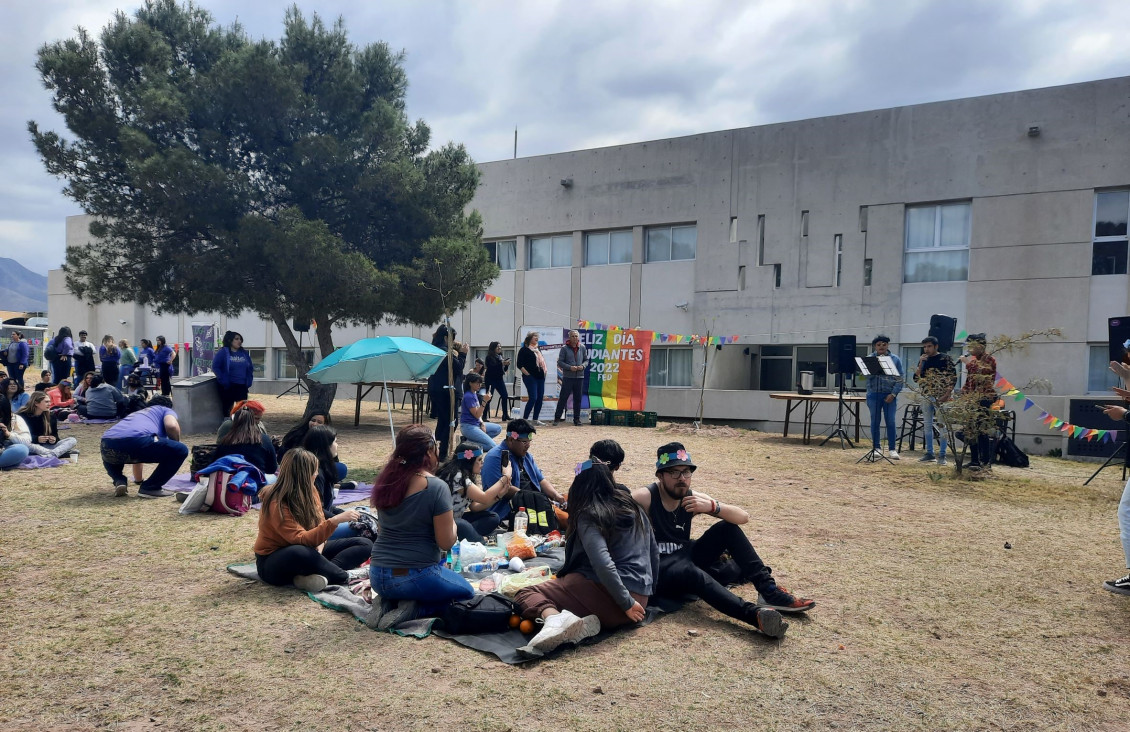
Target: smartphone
[505, 458]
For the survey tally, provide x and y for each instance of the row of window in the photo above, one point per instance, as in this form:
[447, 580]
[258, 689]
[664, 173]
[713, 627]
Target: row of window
[661, 244]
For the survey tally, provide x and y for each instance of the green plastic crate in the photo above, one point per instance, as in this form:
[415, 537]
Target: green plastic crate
[598, 417]
[618, 418]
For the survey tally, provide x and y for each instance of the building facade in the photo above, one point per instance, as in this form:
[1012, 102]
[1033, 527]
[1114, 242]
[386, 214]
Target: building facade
[1008, 212]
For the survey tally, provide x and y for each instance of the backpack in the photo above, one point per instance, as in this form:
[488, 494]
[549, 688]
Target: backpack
[1011, 455]
[49, 352]
[540, 509]
[14, 352]
[489, 613]
[222, 498]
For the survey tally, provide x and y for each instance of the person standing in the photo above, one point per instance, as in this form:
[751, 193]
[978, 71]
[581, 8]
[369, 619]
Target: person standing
[936, 376]
[980, 375]
[110, 357]
[128, 359]
[64, 354]
[234, 371]
[442, 385]
[495, 378]
[882, 396]
[532, 365]
[164, 359]
[17, 357]
[84, 355]
[1121, 586]
[572, 360]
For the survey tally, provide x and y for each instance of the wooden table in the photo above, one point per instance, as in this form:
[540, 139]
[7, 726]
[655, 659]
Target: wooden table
[811, 402]
[417, 391]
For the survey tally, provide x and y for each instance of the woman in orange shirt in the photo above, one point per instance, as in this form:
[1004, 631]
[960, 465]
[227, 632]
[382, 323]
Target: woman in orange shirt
[294, 543]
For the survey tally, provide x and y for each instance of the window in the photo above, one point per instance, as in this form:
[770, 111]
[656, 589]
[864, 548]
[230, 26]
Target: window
[608, 247]
[504, 253]
[760, 240]
[814, 359]
[863, 218]
[733, 229]
[777, 368]
[1099, 375]
[668, 243]
[804, 223]
[1108, 255]
[867, 272]
[777, 276]
[259, 361]
[838, 247]
[937, 243]
[670, 367]
[284, 369]
[551, 251]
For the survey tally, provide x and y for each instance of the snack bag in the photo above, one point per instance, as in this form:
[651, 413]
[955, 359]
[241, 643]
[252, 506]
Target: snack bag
[521, 547]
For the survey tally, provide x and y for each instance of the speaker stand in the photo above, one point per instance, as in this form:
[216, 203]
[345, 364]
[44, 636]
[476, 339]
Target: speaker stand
[1109, 460]
[840, 432]
[297, 388]
[874, 456]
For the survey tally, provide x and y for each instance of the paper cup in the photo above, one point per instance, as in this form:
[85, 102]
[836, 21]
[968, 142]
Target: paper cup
[74, 458]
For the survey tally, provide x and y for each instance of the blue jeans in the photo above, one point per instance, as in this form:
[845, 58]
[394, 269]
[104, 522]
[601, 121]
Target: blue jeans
[1124, 522]
[484, 436]
[878, 406]
[434, 587]
[123, 374]
[535, 393]
[12, 456]
[928, 430]
[168, 454]
[474, 526]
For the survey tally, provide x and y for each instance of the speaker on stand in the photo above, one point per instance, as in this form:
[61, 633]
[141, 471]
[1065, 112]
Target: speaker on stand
[943, 327]
[841, 362]
[299, 326]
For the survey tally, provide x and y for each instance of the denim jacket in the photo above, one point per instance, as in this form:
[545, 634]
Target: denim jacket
[886, 384]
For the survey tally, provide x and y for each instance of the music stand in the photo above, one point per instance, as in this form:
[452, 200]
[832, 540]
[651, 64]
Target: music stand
[876, 366]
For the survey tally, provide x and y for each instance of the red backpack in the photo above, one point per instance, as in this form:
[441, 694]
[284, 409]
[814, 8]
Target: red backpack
[224, 497]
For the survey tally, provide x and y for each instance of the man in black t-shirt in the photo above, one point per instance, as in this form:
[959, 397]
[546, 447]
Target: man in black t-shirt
[693, 567]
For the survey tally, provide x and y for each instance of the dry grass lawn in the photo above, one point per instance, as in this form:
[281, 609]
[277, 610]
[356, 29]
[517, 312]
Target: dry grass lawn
[118, 613]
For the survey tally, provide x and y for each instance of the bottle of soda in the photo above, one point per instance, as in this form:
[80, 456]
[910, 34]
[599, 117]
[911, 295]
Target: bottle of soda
[455, 565]
[521, 521]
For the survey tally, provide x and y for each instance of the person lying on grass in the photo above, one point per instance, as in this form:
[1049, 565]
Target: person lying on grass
[611, 560]
[293, 544]
[685, 566]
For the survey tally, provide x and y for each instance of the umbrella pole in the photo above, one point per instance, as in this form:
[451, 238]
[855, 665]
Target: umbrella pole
[388, 404]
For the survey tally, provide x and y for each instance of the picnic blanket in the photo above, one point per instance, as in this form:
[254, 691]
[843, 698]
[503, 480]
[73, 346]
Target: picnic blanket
[183, 483]
[502, 645]
[92, 420]
[34, 462]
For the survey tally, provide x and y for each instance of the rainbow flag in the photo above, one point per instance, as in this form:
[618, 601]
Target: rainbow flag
[618, 363]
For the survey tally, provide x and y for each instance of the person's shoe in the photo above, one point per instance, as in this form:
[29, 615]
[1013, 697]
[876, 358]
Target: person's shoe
[576, 424]
[159, 493]
[1119, 586]
[394, 616]
[565, 627]
[975, 467]
[770, 622]
[785, 602]
[377, 611]
[927, 458]
[539, 423]
[942, 462]
[892, 455]
[310, 582]
[557, 421]
[120, 488]
[348, 485]
[358, 573]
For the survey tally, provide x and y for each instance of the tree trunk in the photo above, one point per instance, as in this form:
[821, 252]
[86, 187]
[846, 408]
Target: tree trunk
[321, 395]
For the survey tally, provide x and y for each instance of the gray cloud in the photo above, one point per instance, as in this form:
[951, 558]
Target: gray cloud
[582, 74]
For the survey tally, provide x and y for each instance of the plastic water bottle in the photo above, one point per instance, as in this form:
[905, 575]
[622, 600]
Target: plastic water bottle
[455, 558]
[521, 521]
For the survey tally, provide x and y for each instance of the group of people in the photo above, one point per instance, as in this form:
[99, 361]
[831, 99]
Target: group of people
[936, 377]
[116, 360]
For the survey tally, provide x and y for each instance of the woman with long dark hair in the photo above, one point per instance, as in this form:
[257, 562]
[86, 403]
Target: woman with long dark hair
[234, 371]
[246, 439]
[470, 502]
[414, 512]
[293, 544]
[472, 411]
[14, 392]
[64, 354]
[43, 428]
[12, 450]
[296, 434]
[164, 359]
[532, 365]
[439, 384]
[611, 564]
[495, 378]
[322, 442]
[110, 357]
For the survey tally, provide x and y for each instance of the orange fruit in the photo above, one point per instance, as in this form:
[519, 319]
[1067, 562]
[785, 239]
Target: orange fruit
[514, 621]
[527, 626]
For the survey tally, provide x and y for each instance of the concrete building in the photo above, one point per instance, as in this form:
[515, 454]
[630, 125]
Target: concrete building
[1008, 212]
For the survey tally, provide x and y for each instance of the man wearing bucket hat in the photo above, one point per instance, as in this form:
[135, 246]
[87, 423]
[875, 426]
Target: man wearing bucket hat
[692, 566]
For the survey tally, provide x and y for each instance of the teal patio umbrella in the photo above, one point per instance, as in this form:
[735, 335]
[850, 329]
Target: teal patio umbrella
[381, 359]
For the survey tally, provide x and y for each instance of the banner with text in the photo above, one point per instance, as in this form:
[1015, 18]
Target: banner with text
[203, 348]
[618, 363]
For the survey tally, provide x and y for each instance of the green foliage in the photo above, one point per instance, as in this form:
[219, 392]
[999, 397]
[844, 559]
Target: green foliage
[228, 174]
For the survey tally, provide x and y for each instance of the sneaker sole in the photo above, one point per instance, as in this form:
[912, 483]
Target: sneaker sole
[311, 583]
[143, 494]
[772, 624]
[783, 608]
[574, 633]
[120, 490]
[1116, 590]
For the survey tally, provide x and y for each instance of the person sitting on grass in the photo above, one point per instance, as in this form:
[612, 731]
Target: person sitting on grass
[43, 428]
[469, 500]
[14, 392]
[296, 434]
[149, 436]
[80, 390]
[526, 476]
[45, 381]
[244, 438]
[293, 544]
[257, 409]
[12, 449]
[322, 441]
[611, 562]
[62, 398]
[683, 563]
[417, 527]
[103, 401]
[471, 422]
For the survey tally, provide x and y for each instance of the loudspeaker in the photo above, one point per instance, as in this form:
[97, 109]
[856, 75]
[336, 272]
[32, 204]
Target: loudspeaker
[1119, 331]
[841, 354]
[301, 325]
[943, 328]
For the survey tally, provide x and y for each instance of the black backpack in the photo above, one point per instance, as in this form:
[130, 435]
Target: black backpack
[539, 508]
[488, 613]
[1011, 455]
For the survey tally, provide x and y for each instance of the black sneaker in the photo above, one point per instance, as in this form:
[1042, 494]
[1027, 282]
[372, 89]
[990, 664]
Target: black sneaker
[1119, 586]
[159, 493]
[770, 622]
[927, 458]
[120, 488]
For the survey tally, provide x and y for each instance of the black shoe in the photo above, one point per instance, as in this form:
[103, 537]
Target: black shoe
[159, 493]
[557, 421]
[1119, 586]
[771, 623]
[576, 424]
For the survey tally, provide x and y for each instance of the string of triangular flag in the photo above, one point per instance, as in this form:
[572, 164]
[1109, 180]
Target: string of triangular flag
[657, 337]
[1053, 422]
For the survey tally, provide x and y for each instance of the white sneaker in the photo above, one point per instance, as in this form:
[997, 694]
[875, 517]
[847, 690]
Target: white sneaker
[892, 455]
[565, 627]
[358, 573]
[310, 582]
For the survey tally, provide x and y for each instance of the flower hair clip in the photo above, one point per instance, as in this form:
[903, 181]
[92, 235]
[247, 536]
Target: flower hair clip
[471, 454]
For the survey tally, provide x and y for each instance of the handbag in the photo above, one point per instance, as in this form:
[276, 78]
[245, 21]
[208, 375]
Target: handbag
[489, 613]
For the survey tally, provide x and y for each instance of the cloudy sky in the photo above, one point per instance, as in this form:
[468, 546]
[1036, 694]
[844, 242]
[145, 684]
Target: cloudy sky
[585, 73]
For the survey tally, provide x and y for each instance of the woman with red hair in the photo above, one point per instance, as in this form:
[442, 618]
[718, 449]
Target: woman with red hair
[416, 529]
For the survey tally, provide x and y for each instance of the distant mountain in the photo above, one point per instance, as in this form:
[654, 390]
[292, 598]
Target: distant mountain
[20, 288]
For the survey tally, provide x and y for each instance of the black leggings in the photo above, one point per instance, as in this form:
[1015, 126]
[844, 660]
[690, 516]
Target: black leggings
[166, 372]
[281, 566]
[501, 399]
[474, 526]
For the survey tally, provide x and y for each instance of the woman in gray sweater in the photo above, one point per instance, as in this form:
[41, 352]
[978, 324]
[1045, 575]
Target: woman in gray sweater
[610, 565]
